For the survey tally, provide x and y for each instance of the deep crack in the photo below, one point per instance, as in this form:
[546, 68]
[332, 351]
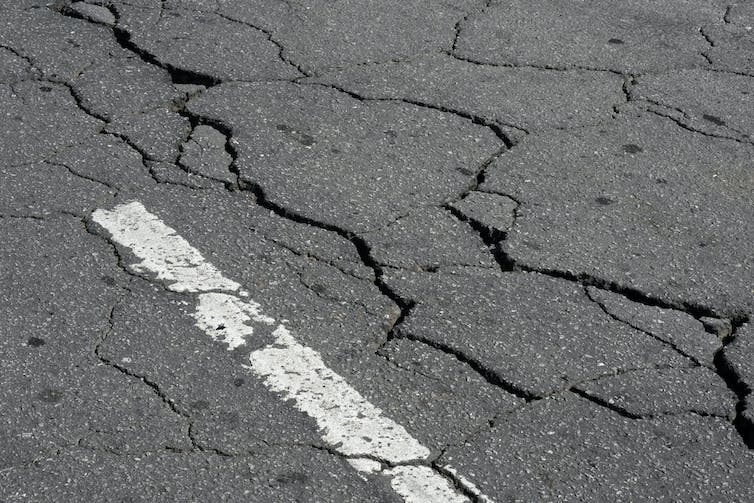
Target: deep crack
[183, 76]
[742, 389]
[483, 371]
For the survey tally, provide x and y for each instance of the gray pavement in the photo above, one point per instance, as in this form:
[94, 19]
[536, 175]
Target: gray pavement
[514, 236]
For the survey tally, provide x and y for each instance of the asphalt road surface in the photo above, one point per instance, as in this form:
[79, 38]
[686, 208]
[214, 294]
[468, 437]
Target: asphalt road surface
[412, 250]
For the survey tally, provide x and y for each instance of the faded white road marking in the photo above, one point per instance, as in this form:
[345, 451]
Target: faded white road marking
[161, 250]
[468, 485]
[349, 423]
[414, 482]
[347, 419]
[366, 465]
[225, 318]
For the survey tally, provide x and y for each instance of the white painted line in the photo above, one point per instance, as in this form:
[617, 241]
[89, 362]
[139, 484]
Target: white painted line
[366, 465]
[349, 422]
[468, 485]
[225, 318]
[161, 250]
[422, 483]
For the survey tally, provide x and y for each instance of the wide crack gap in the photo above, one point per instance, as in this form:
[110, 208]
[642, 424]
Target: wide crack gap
[124, 39]
[743, 426]
[361, 246]
[363, 250]
[181, 162]
[737, 385]
[489, 236]
[180, 76]
[196, 120]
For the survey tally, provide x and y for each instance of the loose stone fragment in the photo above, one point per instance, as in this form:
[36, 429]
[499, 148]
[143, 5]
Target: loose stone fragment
[94, 13]
[720, 327]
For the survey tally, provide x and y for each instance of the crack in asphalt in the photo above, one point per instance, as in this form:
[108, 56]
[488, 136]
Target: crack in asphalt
[271, 38]
[680, 123]
[621, 411]
[363, 249]
[150, 384]
[668, 343]
[494, 126]
[506, 263]
[490, 237]
[737, 385]
[18, 216]
[722, 368]
[667, 111]
[80, 104]
[458, 27]
[489, 375]
[558, 68]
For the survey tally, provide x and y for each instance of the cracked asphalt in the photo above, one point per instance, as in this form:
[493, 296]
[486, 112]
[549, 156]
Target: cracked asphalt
[522, 231]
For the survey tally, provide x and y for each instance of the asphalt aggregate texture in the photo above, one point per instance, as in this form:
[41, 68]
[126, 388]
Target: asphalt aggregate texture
[522, 231]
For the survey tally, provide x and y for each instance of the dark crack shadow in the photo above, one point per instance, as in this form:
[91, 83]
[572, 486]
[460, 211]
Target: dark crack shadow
[737, 385]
